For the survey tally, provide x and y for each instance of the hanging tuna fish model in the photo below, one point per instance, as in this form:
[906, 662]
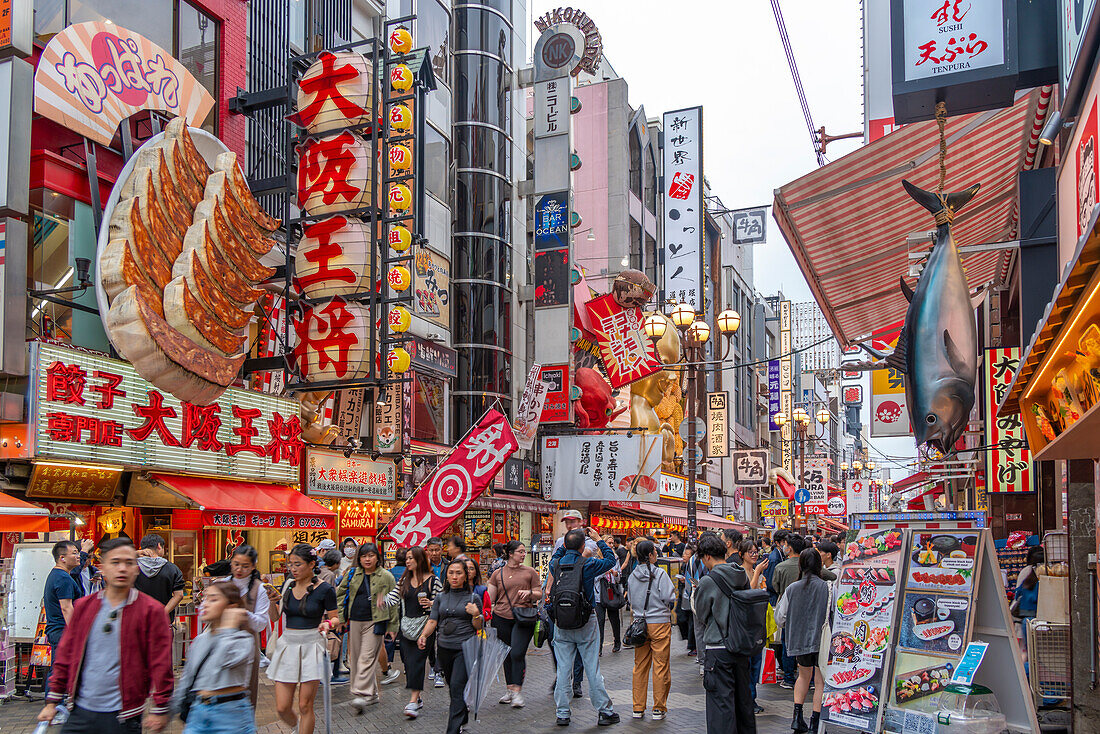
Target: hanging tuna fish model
[937, 349]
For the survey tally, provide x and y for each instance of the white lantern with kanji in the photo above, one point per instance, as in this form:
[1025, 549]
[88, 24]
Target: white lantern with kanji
[334, 258]
[334, 92]
[332, 341]
[334, 174]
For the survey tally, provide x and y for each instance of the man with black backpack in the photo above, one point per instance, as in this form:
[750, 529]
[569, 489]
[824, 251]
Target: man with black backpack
[732, 613]
[572, 598]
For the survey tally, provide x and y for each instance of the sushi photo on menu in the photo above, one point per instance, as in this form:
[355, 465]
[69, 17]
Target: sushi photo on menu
[917, 680]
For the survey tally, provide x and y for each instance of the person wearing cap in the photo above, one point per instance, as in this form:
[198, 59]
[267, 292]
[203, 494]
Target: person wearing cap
[572, 519]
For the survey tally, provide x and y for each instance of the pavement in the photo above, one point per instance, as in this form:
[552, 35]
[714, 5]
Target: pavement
[686, 705]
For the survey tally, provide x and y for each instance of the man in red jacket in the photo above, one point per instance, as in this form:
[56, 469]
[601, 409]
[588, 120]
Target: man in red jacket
[111, 697]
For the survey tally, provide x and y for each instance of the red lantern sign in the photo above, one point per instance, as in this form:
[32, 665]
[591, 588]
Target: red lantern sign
[333, 341]
[334, 258]
[334, 174]
[334, 92]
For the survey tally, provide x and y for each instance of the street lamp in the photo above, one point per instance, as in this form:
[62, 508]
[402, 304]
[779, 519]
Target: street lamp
[802, 422]
[695, 333]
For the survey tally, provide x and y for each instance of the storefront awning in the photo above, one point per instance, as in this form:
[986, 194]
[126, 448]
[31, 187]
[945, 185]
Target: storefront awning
[911, 481]
[679, 516]
[848, 222]
[516, 504]
[17, 516]
[832, 524]
[229, 503]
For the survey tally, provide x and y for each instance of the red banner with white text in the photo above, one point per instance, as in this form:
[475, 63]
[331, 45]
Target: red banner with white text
[456, 482]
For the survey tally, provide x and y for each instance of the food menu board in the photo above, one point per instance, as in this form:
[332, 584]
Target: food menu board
[863, 606]
[942, 562]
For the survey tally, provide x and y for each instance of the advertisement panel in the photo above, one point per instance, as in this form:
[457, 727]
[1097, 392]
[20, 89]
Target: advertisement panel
[718, 417]
[529, 410]
[674, 487]
[627, 354]
[683, 206]
[1008, 461]
[775, 403]
[331, 474]
[432, 284]
[814, 481]
[556, 406]
[602, 468]
[775, 508]
[954, 37]
[857, 495]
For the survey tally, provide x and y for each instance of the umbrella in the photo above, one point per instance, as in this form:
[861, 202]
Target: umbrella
[326, 684]
[484, 654]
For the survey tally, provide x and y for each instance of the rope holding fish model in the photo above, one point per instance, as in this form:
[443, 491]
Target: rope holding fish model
[941, 123]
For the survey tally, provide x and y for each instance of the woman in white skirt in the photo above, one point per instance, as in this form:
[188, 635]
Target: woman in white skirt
[300, 659]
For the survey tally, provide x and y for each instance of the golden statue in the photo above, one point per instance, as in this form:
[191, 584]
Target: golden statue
[656, 400]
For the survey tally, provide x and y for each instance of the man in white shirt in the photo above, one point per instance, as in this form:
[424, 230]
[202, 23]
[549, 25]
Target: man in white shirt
[572, 519]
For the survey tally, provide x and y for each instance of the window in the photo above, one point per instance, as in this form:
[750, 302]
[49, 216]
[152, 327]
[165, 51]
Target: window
[197, 49]
[635, 163]
[433, 30]
[428, 408]
[437, 157]
[151, 18]
[296, 28]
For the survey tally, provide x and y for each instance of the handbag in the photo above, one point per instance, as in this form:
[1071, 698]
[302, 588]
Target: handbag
[523, 616]
[637, 634]
[613, 598]
[333, 644]
[189, 697]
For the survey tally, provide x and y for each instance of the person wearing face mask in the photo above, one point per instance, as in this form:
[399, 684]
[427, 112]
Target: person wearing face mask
[348, 548]
[256, 601]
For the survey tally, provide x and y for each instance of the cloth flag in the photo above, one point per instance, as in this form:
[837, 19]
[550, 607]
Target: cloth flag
[456, 482]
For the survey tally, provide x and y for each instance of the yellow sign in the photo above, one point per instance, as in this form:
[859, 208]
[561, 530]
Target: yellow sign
[775, 508]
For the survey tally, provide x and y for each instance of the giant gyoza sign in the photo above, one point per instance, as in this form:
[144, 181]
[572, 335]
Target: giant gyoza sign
[88, 407]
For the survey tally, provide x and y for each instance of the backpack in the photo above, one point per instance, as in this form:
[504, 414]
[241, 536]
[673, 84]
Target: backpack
[570, 607]
[746, 620]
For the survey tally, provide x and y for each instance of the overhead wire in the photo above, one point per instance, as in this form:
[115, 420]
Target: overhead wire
[797, 78]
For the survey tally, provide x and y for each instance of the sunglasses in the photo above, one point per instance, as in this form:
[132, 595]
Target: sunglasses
[108, 628]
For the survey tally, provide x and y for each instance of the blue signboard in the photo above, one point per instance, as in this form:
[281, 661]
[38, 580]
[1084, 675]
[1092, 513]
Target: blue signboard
[552, 221]
[775, 405]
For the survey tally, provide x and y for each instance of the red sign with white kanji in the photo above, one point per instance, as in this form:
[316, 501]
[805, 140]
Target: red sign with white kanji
[627, 352]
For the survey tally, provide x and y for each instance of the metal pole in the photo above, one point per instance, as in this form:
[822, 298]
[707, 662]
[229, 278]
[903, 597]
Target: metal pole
[802, 470]
[691, 441]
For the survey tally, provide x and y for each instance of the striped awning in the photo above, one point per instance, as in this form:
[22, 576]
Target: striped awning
[848, 222]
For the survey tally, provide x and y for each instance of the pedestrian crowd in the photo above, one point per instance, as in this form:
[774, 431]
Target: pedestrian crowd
[727, 595]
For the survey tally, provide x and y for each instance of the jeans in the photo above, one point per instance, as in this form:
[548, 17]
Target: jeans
[754, 668]
[726, 680]
[613, 615]
[83, 721]
[787, 663]
[578, 665]
[231, 717]
[518, 638]
[363, 646]
[454, 670]
[567, 644]
[415, 660]
[653, 654]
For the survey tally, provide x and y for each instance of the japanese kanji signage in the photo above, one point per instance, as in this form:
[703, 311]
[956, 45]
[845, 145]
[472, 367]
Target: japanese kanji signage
[627, 353]
[73, 482]
[551, 107]
[332, 341]
[456, 482]
[1008, 461]
[852, 394]
[556, 406]
[775, 508]
[331, 474]
[601, 468]
[529, 410]
[674, 487]
[750, 226]
[814, 480]
[750, 468]
[92, 76]
[683, 206]
[266, 520]
[388, 420]
[88, 407]
[786, 384]
[718, 418]
[431, 356]
[775, 403]
[432, 281]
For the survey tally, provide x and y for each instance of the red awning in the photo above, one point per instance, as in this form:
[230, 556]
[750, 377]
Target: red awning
[678, 516]
[847, 222]
[832, 524]
[917, 503]
[229, 503]
[17, 516]
[911, 481]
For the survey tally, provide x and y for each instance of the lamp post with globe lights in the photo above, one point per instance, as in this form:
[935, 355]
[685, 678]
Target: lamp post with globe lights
[802, 421]
[694, 334]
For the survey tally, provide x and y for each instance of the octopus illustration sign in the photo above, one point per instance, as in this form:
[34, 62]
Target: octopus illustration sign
[92, 76]
[458, 480]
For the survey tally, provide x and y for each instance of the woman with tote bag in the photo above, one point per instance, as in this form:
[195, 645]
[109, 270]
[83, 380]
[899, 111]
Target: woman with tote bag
[651, 596]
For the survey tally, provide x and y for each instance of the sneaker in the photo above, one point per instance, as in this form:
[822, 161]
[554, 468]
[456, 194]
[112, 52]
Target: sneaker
[507, 697]
[618, 647]
[390, 676]
[757, 708]
[658, 715]
[339, 680]
[691, 653]
[638, 714]
[439, 682]
[607, 719]
[563, 721]
[358, 703]
[517, 700]
[785, 684]
[412, 710]
[578, 692]
[371, 700]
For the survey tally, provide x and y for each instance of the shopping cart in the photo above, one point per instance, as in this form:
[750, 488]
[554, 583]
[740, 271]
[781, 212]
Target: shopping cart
[1048, 646]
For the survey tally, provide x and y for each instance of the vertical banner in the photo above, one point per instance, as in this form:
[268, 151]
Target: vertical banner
[857, 495]
[889, 411]
[718, 417]
[786, 384]
[529, 410]
[683, 200]
[1008, 461]
[774, 403]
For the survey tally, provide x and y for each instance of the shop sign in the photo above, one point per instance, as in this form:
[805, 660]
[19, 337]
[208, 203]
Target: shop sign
[266, 520]
[786, 384]
[774, 401]
[432, 283]
[92, 76]
[431, 356]
[73, 482]
[601, 468]
[347, 413]
[889, 410]
[857, 494]
[555, 56]
[332, 341]
[513, 475]
[750, 468]
[852, 394]
[88, 407]
[331, 474]
[456, 482]
[674, 487]
[775, 508]
[529, 410]
[1088, 169]
[750, 226]
[627, 354]
[357, 518]
[683, 206]
[1074, 18]
[334, 258]
[551, 110]
[1008, 460]
[388, 420]
[556, 407]
[814, 482]
[837, 506]
[718, 416]
[334, 93]
[981, 497]
[552, 221]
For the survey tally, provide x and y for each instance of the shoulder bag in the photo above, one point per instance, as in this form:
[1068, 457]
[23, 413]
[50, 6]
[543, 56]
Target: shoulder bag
[637, 634]
[411, 627]
[523, 616]
[189, 696]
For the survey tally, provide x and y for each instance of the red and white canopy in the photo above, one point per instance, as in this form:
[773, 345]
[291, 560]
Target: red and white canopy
[847, 222]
